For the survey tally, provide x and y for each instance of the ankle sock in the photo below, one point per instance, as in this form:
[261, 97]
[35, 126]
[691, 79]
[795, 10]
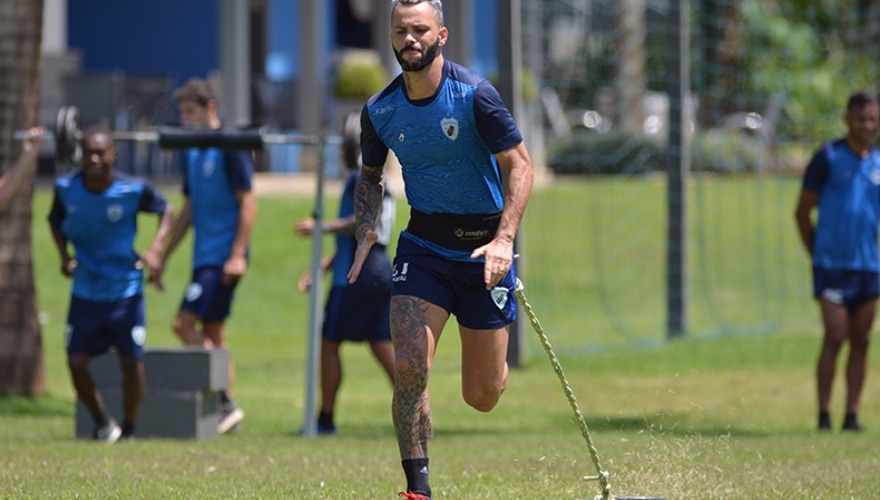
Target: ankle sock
[824, 419]
[850, 421]
[416, 470]
[325, 419]
[101, 419]
[128, 429]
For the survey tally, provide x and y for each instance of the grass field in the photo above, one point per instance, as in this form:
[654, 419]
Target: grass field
[730, 416]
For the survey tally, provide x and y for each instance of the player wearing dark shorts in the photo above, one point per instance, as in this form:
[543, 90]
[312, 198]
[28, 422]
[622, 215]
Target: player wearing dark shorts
[468, 177]
[355, 312]
[96, 211]
[842, 182]
[220, 206]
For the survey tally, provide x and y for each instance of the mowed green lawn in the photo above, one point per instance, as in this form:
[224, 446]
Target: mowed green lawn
[731, 417]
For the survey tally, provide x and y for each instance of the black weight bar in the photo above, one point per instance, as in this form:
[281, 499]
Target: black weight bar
[67, 136]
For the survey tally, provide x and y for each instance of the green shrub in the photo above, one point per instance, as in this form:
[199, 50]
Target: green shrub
[359, 79]
[615, 153]
[727, 152]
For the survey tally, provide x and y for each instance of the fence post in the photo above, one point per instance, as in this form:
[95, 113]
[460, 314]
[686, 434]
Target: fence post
[678, 167]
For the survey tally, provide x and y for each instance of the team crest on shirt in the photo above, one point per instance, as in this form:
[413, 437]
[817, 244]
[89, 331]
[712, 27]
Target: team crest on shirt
[450, 128]
[114, 212]
[875, 176]
[208, 167]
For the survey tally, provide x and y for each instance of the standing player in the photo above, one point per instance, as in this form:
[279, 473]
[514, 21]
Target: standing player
[454, 139]
[354, 312]
[843, 182]
[220, 206]
[96, 211]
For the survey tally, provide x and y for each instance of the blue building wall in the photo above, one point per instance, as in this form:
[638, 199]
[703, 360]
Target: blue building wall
[154, 37]
[484, 51]
[179, 38]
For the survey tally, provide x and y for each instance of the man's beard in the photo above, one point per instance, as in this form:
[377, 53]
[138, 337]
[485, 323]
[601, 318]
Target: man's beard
[427, 58]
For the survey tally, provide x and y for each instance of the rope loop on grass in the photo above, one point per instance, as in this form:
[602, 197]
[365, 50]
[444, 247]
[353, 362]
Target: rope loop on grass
[602, 476]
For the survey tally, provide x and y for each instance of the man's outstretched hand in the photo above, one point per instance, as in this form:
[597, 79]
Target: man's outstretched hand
[360, 255]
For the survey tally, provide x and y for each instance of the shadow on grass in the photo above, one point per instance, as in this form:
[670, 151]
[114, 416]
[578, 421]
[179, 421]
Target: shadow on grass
[679, 425]
[42, 406]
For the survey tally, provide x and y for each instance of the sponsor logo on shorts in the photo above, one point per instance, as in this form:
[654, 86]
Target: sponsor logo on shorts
[193, 292]
[139, 334]
[499, 296]
[68, 332]
[833, 295]
[400, 274]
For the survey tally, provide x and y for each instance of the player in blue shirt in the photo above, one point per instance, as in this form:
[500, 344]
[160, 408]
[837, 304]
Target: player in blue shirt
[842, 181]
[220, 206]
[354, 312]
[95, 210]
[454, 139]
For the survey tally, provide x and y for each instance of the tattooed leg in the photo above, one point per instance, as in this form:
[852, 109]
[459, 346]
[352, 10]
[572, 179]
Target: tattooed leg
[415, 329]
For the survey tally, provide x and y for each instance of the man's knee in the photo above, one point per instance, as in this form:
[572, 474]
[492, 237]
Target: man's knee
[78, 362]
[483, 397]
[185, 328]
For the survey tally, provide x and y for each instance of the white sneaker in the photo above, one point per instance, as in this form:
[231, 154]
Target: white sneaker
[109, 432]
[230, 416]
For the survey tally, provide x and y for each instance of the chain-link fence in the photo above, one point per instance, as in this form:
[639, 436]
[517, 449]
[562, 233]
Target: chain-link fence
[767, 84]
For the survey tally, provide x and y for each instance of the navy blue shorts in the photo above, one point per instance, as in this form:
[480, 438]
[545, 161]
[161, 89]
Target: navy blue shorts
[207, 296]
[846, 288]
[357, 314]
[457, 287]
[359, 311]
[93, 327]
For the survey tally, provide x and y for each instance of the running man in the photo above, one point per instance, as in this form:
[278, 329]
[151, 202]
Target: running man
[455, 141]
[95, 210]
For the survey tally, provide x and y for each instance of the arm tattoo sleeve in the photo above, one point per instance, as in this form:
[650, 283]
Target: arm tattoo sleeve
[367, 200]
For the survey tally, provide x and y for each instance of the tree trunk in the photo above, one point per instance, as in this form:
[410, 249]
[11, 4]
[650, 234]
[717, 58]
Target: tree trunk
[21, 348]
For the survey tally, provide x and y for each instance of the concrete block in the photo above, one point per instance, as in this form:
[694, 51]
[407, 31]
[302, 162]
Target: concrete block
[172, 415]
[182, 397]
[169, 368]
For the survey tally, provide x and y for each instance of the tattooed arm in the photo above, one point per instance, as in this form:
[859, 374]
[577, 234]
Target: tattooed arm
[367, 203]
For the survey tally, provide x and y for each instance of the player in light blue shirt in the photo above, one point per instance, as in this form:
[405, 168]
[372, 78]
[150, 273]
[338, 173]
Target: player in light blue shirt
[95, 210]
[842, 182]
[468, 178]
[220, 206]
[355, 312]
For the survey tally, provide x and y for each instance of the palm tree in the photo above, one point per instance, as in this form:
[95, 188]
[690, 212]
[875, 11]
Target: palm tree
[21, 349]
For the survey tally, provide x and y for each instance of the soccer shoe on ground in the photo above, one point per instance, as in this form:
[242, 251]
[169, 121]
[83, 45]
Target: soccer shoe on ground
[230, 416]
[109, 432]
[851, 423]
[326, 429]
[824, 421]
[409, 495]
